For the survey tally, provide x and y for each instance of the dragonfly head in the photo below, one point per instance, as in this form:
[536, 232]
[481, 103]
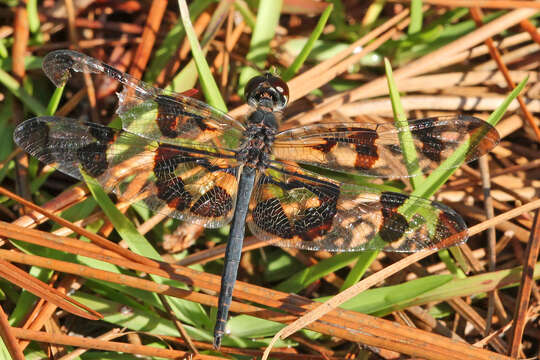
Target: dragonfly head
[267, 91]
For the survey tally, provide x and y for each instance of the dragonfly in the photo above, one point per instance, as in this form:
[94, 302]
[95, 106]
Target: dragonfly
[196, 163]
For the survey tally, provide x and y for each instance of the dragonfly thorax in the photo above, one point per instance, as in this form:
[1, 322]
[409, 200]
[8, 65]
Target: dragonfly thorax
[259, 137]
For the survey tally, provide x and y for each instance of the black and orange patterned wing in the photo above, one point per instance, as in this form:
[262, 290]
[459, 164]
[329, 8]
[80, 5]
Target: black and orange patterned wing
[150, 112]
[180, 182]
[375, 149]
[291, 207]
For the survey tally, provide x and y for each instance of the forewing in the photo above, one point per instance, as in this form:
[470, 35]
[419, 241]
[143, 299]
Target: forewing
[151, 112]
[375, 149]
[291, 207]
[181, 182]
[178, 120]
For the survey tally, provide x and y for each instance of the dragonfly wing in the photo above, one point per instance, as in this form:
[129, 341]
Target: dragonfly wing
[291, 207]
[179, 120]
[185, 183]
[151, 112]
[375, 149]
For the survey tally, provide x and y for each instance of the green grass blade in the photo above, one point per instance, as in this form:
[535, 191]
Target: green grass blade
[30, 63]
[172, 41]
[188, 76]
[416, 17]
[302, 279]
[126, 229]
[33, 18]
[405, 136]
[143, 319]
[4, 53]
[444, 255]
[365, 258]
[55, 100]
[246, 13]
[373, 12]
[384, 300]
[208, 84]
[28, 100]
[308, 47]
[476, 284]
[259, 48]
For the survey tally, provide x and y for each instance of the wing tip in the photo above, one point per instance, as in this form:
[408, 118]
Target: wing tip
[451, 224]
[31, 134]
[57, 65]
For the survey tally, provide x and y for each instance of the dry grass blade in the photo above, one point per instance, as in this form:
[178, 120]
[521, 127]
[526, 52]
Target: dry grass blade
[178, 324]
[9, 339]
[425, 64]
[326, 71]
[484, 168]
[153, 23]
[90, 343]
[475, 229]
[492, 240]
[495, 54]
[346, 324]
[342, 297]
[22, 34]
[527, 281]
[43, 310]
[20, 278]
[96, 238]
[531, 29]
[350, 320]
[110, 335]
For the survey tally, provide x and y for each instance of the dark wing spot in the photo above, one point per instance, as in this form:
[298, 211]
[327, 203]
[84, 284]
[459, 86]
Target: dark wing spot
[366, 150]
[270, 217]
[93, 158]
[394, 224]
[309, 223]
[112, 72]
[168, 157]
[391, 201]
[172, 118]
[429, 135]
[315, 222]
[102, 134]
[172, 191]
[394, 149]
[214, 203]
[326, 147]
[169, 187]
[393, 227]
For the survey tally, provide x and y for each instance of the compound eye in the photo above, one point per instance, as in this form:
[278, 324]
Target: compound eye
[280, 86]
[283, 90]
[252, 85]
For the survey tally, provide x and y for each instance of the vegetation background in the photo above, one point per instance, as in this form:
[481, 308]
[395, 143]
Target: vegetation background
[448, 56]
